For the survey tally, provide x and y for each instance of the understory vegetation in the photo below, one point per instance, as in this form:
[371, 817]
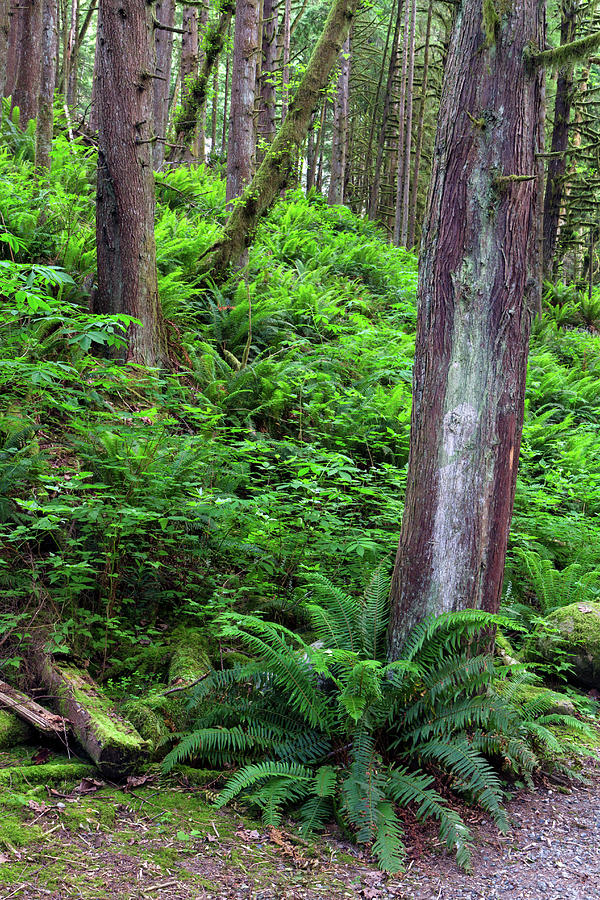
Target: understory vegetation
[247, 503]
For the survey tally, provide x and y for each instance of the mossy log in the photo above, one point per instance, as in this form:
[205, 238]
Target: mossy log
[31, 712]
[109, 740]
[13, 730]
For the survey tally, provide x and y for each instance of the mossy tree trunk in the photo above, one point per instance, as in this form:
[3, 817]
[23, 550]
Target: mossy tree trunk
[45, 120]
[277, 167]
[339, 142]
[266, 111]
[478, 283]
[29, 72]
[127, 277]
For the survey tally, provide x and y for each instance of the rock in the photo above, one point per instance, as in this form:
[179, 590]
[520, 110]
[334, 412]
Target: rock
[573, 630]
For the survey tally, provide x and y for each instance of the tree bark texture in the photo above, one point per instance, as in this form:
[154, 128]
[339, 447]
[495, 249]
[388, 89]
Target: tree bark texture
[278, 165]
[285, 54]
[409, 123]
[127, 279]
[188, 70]
[478, 281]
[29, 71]
[387, 107]
[241, 144]
[15, 31]
[164, 12]
[4, 31]
[202, 31]
[71, 56]
[187, 118]
[45, 119]
[412, 224]
[402, 161]
[557, 165]
[266, 111]
[340, 129]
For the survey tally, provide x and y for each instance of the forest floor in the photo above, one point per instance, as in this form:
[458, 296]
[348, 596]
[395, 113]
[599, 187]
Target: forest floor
[162, 839]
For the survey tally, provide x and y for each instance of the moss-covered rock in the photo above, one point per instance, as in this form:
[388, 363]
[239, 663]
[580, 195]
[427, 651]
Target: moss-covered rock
[573, 631]
[543, 699]
[12, 730]
[505, 650]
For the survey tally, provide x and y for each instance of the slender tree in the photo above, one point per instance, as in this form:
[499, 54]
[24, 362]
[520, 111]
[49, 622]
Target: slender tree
[242, 142]
[278, 165]
[188, 70]
[340, 129]
[26, 90]
[127, 278]
[412, 223]
[285, 52]
[15, 32]
[266, 111]
[4, 32]
[164, 12]
[478, 287]
[45, 119]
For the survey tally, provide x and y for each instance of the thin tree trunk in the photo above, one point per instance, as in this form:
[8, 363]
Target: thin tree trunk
[340, 129]
[93, 123]
[241, 145]
[71, 60]
[402, 161]
[266, 112]
[4, 32]
[278, 165]
[215, 109]
[409, 119]
[45, 119]
[188, 71]
[387, 105]
[285, 75]
[127, 278]
[27, 87]
[478, 283]
[187, 118]
[557, 165]
[15, 33]
[412, 225]
[371, 138]
[164, 12]
[312, 169]
[202, 29]
[226, 98]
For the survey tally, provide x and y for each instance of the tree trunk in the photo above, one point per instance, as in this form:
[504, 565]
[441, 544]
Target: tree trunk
[164, 12]
[127, 279]
[266, 112]
[201, 130]
[409, 118]
[412, 225]
[241, 145]
[226, 98]
[27, 86]
[340, 129]
[278, 165]
[187, 118]
[387, 104]
[478, 280]
[188, 71]
[45, 120]
[557, 165]
[285, 71]
[402, 132]
[71, 56]
[15, 33]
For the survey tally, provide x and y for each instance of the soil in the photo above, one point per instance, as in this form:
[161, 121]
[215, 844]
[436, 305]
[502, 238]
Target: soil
[164, 841]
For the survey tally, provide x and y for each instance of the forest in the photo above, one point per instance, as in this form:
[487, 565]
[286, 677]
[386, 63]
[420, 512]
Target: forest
[299, 449]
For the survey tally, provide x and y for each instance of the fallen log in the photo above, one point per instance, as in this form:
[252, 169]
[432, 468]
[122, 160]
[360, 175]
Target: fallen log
[25, 708]
[13, 730]
[109, 740]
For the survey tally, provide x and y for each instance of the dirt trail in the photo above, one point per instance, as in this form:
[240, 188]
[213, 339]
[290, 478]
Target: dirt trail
[166, 843]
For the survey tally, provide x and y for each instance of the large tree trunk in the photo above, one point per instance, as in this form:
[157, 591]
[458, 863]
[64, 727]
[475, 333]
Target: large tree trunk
[479, 279]
[557, 165]
[45, 120]
[161, 89]
[241, 144]
[27, 85]
[127, 279]
[266, 111]
[4, 32]
[278, 165]
[340, 129]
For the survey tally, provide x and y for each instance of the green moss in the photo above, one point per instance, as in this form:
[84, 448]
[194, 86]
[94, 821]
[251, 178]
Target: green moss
[146, 721]
[491, 22]
[574, 632]
[190, 659]
[12, 730]
[48, 773]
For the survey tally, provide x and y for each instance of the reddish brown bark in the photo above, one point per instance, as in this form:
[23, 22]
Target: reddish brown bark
[164, 12]
[15, 31]
[27, 85]
[478, 278]
[4, 31]
[127, 279]
[241, 145]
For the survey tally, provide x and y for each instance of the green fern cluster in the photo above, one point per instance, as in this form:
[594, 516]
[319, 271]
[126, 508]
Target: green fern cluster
[334, 729]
